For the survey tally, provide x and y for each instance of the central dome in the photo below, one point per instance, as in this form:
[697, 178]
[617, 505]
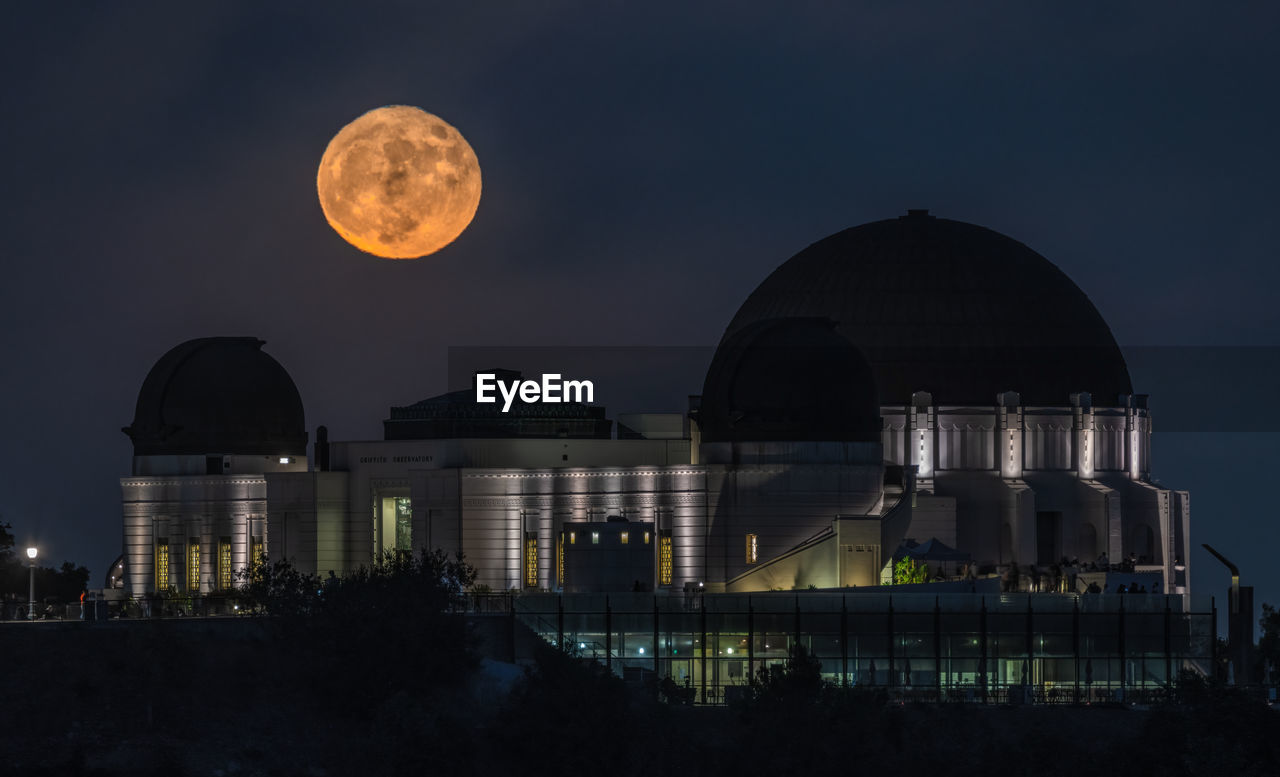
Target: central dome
[950, 308]
[789, 380]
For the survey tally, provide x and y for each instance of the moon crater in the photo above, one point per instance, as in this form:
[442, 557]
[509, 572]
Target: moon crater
[399, 183]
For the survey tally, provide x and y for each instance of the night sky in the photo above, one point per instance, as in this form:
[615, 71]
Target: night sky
[645, 166]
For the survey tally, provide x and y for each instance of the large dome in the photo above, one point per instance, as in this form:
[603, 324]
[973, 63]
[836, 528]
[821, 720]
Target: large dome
[218, 395]
[950, 308]
[791, 379]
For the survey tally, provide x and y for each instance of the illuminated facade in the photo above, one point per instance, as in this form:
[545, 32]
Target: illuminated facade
[914, 378]
[214, 418]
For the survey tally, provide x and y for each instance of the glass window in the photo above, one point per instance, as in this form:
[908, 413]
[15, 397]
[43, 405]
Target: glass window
[753, 549]
[162, 565]
[664, 558]
[595, 538]
[404, 523]
[224, 563]
[193, 566]
[257, 553]
[531, 560]
[560, 559]
[625, 537]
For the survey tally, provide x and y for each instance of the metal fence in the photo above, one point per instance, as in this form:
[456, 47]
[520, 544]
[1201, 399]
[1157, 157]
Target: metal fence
[957, 648]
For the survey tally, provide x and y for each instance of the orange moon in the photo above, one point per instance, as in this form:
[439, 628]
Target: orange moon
[399, 182]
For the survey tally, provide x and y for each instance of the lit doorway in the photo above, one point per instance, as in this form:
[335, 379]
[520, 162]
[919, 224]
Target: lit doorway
[394, 525]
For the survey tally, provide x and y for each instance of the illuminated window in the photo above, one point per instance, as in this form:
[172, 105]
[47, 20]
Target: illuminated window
[753, 549]
[162, 565]
[625, 537]
[664, 558]
[531, 560]
[646, 538]
[560, 559]
[404, 523]
[573, 538]
[193, 566]
[224, 563]
[595, 538]
[257, 553]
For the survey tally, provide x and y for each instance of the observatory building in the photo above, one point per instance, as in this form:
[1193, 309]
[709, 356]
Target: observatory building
[214, 418]
[905, 381]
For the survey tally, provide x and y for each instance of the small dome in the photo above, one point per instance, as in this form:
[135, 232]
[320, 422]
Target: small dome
[950, 308]
[789, 379]
[218, 395]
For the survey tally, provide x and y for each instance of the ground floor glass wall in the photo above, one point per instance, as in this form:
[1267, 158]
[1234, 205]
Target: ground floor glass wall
[1021, 647]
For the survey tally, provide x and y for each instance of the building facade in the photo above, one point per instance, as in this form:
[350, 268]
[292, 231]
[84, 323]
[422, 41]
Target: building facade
[215, 418]
[908, 379]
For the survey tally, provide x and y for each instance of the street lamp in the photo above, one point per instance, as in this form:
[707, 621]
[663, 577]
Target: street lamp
[31, 603]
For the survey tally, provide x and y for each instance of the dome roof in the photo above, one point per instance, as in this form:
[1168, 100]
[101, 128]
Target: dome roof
[789, 379]
[218, 395]
[950, 308]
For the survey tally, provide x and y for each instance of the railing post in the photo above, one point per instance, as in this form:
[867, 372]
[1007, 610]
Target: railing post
[1027, 680]
[702, 658]
[1213, 638]
[1075, 644]
[844, 641]
[797, 624]
[982, 650]
[657, 656]
[937, 645]
[1124, 658]
[511, 622]
[893, 679]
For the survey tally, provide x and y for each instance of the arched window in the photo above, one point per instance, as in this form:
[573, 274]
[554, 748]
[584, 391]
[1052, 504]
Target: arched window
[1087, 549]
[1143, 543]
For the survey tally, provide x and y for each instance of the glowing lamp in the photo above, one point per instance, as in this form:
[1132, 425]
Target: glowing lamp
[31, 553]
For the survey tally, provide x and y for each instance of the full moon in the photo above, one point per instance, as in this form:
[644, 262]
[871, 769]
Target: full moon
[399, 182]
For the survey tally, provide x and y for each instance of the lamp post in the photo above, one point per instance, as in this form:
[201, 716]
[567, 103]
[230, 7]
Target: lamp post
[31, 600]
